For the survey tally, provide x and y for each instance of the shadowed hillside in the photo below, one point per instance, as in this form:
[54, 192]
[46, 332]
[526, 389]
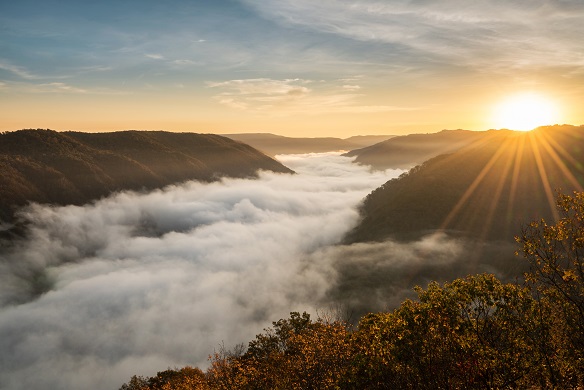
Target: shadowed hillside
[46, 166]
[272, 144]
[410, 150]
[486, 190]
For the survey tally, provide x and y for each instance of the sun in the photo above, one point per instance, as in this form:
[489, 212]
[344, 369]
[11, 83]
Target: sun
[525, 112]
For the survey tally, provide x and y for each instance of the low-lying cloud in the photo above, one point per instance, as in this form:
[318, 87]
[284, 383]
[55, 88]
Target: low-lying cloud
[136, 283]
[372, 277]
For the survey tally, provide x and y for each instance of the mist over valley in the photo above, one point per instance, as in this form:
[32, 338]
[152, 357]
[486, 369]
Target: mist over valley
[138, 281]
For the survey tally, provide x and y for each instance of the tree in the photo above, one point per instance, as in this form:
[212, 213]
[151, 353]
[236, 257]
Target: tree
[296, 353]
[556, 256]
[186, 378]
[466, 334]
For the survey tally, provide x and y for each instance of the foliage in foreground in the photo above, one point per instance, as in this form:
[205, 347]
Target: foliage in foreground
[472, 333]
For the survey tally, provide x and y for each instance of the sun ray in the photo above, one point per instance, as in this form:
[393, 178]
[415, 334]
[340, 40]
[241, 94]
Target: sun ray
[509, 163]
[551, 146]
[471, 189]
[519, 150]
[500, 185]
[543, 175]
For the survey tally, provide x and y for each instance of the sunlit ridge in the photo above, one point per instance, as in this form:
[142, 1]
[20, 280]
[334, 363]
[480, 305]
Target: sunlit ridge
[547, 155]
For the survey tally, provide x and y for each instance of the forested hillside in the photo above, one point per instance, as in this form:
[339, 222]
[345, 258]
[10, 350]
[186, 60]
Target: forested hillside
[272, 144]
[73, 167]
[485, 190]
[410, 150]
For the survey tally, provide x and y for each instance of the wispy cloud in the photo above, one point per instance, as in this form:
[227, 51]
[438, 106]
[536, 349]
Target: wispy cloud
[269, 87]
[182, 62]
[538, 33]
[60, 87]
[351, 87]
[18, 71]
[290, 96]
[23, 73]
[57, 87]
[154, 56]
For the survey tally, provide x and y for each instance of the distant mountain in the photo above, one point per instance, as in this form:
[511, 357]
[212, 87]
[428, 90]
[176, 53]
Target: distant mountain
[272, 144]
[410, 150]
[485, 190]
[368, 140]
[73, 168]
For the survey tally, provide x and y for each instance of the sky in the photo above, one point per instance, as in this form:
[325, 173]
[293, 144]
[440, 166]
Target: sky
[289, 67]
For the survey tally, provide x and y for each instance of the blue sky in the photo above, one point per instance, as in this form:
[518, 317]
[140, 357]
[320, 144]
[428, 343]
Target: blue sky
[292, 67]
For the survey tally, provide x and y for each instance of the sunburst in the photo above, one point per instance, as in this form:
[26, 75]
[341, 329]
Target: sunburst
[548, 158]
[525, 111]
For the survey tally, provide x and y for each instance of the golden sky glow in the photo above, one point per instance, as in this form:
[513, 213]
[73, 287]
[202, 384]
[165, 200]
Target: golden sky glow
[291, 67]
[525, 112]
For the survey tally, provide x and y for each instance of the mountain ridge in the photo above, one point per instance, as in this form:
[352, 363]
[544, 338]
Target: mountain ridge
[47, 166]
[485, 189]
[273, 144]
[407, 151]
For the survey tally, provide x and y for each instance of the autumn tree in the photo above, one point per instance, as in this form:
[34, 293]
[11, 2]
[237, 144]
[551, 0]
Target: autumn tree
[296, 353]
[556, 256]
[466, 334]
[186, 378]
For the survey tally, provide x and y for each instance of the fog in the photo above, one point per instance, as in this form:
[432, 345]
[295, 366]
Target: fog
[136, 283]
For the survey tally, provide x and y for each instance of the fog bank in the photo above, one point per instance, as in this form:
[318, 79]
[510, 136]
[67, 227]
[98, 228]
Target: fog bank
[136, 283]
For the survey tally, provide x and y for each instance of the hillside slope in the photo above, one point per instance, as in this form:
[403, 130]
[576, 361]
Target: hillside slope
[46, 166]
[272, 144]
[409, 150]
[486, 190]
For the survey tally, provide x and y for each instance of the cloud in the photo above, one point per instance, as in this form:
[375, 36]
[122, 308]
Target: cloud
[351, 87]
[155, 56]
[185, 62]
[378, 276]
[262, 86]
[136, 283]
[18, 70]
[291, 96]
[487, 34]
[59, 87]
